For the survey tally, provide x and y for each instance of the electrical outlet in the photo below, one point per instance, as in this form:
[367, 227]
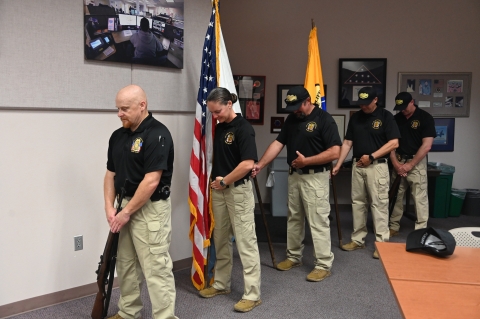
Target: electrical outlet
[78, 240]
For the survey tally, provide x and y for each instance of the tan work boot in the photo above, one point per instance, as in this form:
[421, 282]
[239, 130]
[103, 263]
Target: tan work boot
[375, 254]
[212, 292]
[117, 316]
[318, 274]
[245, 305]
[393, 232]
[352, 246]
[287, 264]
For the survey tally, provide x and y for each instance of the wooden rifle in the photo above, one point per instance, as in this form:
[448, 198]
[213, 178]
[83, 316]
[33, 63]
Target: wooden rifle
[393, 193]
[106, 270]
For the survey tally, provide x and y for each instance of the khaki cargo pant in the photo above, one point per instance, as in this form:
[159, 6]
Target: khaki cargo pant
[143, 248]
[417, 180]
[308, 196]
[370, 189]
[233, 210]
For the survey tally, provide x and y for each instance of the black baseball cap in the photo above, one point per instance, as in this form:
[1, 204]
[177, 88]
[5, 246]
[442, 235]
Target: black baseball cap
[402, 100]
[366, 95]
[435, 241]
[295, 97]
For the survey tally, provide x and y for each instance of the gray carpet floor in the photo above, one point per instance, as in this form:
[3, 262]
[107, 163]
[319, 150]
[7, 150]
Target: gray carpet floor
[358, 287]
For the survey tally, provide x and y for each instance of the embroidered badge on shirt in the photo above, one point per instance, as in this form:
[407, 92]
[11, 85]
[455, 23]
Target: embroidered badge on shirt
[229, 138]
[376, 124]
[415, 124]
[311, 126]
[137, 145]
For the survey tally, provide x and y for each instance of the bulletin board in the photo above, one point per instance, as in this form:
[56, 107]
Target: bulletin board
[440, 94]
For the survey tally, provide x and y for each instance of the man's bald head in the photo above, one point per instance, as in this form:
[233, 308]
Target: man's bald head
[131, 102]
[132, 94]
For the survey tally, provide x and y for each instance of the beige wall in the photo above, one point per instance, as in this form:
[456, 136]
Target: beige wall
[52, 163]
[270, 38]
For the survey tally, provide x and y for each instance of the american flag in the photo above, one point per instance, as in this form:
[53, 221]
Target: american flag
[215, 72]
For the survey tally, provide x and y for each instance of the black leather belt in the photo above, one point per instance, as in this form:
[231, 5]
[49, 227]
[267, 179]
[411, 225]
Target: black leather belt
[239, 182]
[306, 170]
[376, 161]
[404, 157]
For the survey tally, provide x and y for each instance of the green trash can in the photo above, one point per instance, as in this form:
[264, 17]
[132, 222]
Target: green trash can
[439, 190]
[457, 198]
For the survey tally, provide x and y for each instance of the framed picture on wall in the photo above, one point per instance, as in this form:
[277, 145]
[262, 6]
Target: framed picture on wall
[276, 124]
[440, 94]
[355, 74]
[444, 142]
[251, 96]
[111, 33]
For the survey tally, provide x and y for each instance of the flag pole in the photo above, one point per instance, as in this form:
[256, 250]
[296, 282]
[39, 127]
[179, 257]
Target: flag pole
[313, 24]
[259, 197]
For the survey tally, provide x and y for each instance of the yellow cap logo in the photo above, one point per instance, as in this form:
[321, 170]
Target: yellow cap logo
[363, 95]
[399, 102]
[291, 98]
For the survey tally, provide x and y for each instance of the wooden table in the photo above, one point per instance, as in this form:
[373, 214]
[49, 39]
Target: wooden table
[426, 286]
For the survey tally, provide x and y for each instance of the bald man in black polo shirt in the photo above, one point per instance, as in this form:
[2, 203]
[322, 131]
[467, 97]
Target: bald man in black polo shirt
[409, 161]
[373, 133]
[141, 152]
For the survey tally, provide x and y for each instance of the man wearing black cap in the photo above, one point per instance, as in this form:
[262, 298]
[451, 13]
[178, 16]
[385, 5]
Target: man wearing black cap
[373, 134]
[313, 142]
[409, 161]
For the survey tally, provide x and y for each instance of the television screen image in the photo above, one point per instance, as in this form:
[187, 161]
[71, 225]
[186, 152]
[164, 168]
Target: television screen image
[112, 33]
[96, 43]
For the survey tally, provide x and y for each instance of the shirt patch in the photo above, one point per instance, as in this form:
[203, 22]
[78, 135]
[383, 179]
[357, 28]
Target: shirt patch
[376, 124]
[229, 138]
[137, 145]
[311, 126]
[415, 124]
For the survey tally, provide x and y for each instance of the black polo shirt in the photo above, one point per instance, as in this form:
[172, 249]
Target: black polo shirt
[369, 132]
[413, 130]
[310, 136]
[234, 143]
[131, 155]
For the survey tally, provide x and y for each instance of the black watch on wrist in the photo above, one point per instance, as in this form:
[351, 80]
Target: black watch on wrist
[371, 158]
[222, 183]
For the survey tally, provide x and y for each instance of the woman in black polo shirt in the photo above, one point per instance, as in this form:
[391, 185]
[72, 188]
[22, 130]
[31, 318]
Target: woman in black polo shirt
[234, 153]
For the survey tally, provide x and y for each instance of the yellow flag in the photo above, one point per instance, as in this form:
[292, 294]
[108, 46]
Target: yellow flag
[313, 77]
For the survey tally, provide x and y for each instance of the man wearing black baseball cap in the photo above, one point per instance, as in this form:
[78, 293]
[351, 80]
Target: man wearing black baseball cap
[373, 134]
[313, 142]
[417, 128]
